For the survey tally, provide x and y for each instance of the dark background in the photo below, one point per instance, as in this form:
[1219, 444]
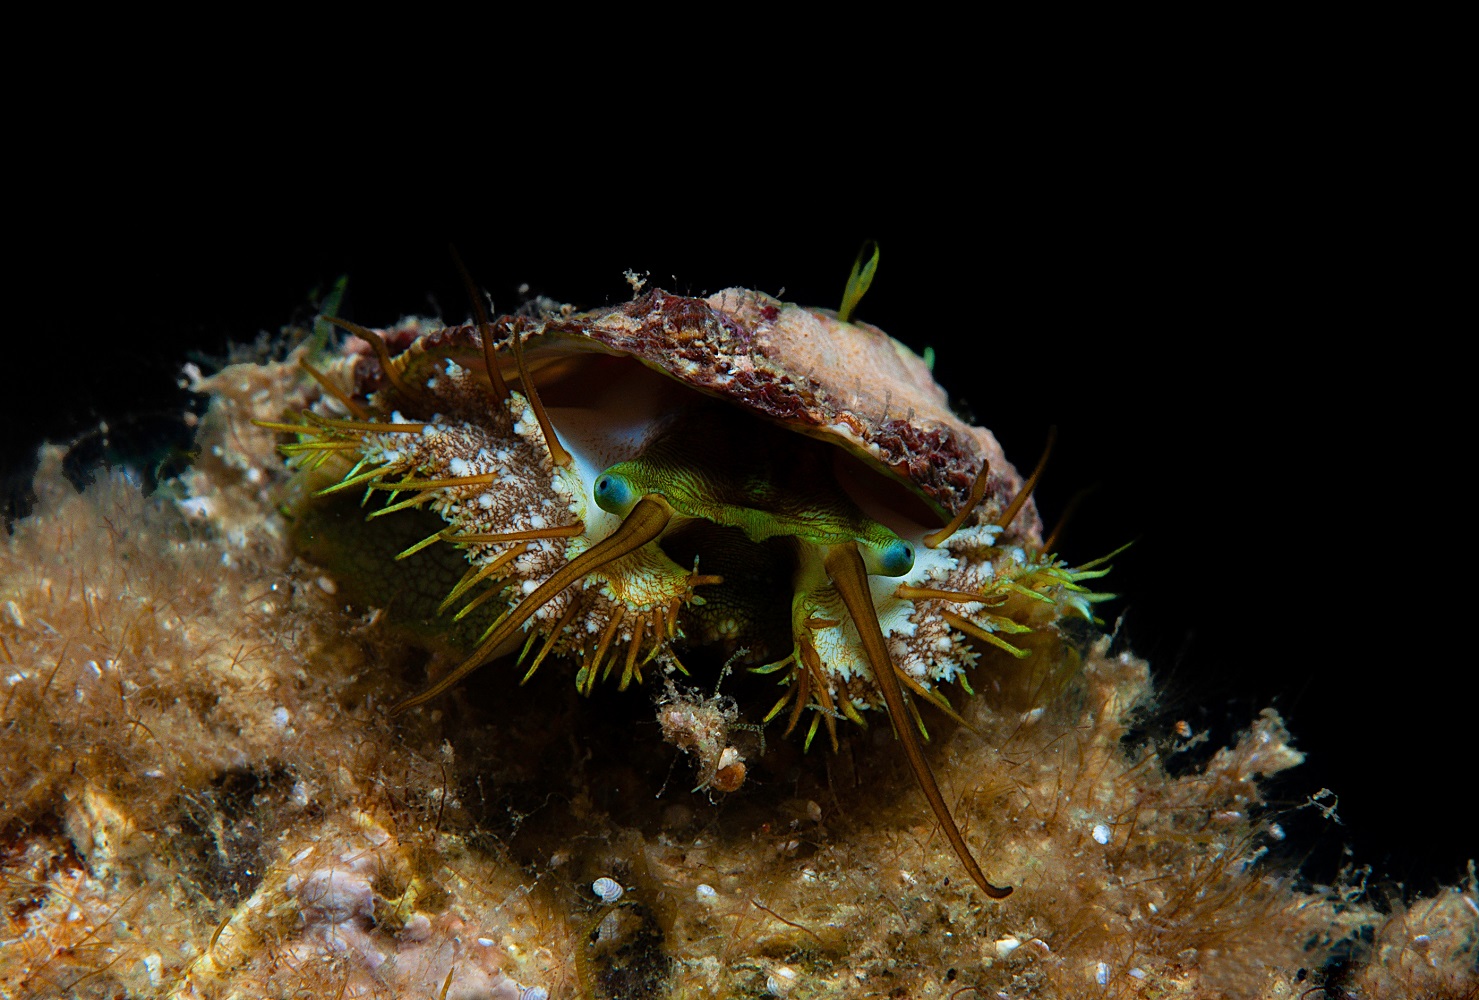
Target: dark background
[1243, 352]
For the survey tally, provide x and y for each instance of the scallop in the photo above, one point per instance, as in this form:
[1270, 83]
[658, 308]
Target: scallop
[730, 473]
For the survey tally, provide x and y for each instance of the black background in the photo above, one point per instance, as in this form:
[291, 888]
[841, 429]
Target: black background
[1243, 349]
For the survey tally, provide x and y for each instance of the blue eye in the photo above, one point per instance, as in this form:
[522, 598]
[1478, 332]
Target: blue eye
[896, 558]
[613, 493]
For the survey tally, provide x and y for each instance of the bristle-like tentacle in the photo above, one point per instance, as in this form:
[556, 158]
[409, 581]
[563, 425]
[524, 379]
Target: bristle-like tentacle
[382, 353]
[557, 451]
[970, 628]
[1020, 500]
[353, 408]
[978, 490]
[644, 524]
[485, 329]
[549, 643]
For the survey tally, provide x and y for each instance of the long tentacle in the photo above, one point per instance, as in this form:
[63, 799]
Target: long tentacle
[1008, 515]
[485, 331]
[845, 566]
[646, 521]
[978, 490]
[557, 452]
[382, 353]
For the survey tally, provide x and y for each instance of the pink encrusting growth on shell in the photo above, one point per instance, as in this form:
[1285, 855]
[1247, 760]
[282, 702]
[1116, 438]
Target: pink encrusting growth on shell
[802, 367]
[813, 372]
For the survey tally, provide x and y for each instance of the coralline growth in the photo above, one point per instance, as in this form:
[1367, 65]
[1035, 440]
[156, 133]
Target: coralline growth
[201, 795]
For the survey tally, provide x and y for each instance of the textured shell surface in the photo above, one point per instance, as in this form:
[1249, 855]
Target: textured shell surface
[615, 379]
[849, 383]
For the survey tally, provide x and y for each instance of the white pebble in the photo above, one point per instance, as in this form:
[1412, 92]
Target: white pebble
[485, 942]
[417, 928]
[1137, 973]
[280, 717]
[1005, 946]
[1101, 833]
[198, 507]
[705, 891]
[333, 896]
[1101, 973]
[608, 889]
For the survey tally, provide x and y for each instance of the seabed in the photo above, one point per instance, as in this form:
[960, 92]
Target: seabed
[202, 795]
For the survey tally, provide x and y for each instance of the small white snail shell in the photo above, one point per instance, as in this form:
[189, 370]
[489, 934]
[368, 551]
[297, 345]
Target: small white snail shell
[780, 982]
[608, 889]
[535, 993]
